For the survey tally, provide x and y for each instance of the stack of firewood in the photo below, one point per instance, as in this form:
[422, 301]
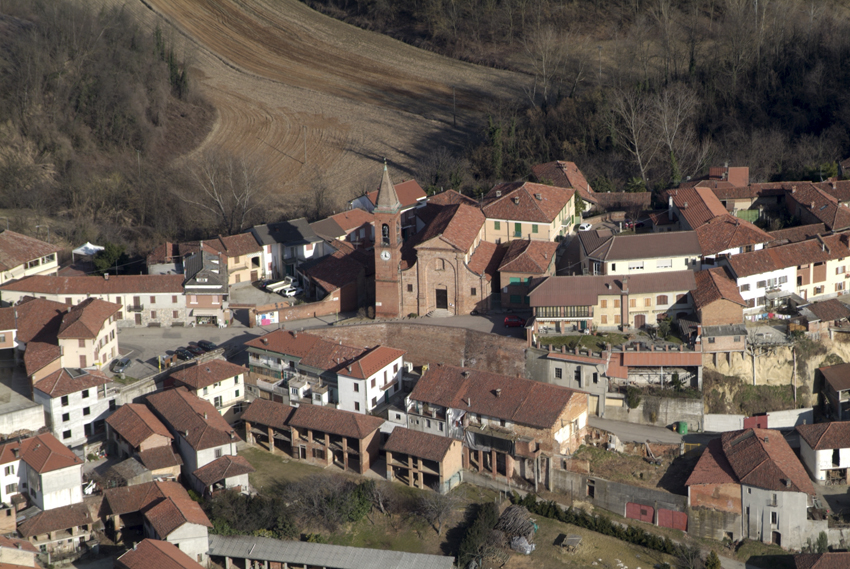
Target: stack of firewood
[515, 521]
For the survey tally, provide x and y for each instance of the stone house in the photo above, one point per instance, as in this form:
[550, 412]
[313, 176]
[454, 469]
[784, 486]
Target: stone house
[267, 422]
[325, 436]
[87, 335]
[423, 460]
[603, 253]
[583, 371]
[59, 531]
[505, 427]
[719, 328]
[16, 553]
[825, 451]
[43, 470]
[525, 210]
[155, 553]
[218, 382]
[23, 256]
[524, 264]
[690, 208]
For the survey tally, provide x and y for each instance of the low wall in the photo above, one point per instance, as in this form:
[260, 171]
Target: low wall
[714, 423]
[29, 418]
[790, 419]
[660, 411]
[713, 524]
[329, 305]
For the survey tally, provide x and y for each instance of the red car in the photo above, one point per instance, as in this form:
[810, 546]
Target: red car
[514, 322]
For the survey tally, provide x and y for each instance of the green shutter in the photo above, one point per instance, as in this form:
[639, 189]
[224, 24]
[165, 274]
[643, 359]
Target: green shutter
[534, 228]
[517, 228]
[497, 225]
[516, 280]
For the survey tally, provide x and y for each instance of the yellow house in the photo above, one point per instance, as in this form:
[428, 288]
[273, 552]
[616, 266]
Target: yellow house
[524, 210]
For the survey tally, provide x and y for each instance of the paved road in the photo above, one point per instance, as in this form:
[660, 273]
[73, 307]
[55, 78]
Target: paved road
[631, 432]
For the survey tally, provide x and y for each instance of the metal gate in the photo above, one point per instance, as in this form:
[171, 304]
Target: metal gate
[759, 422]
[640, 512]
[671, 519]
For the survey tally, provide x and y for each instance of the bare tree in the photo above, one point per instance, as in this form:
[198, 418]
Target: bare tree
[228, 188]
[675, 110]
[382, 495]
[436, 509]
[546, 51]
[632, 118]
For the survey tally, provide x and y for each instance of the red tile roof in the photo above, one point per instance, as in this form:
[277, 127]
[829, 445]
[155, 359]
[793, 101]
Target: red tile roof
[451, 197]
[166, 505]
[584, 290]
[714, 285]
[135, 423]
[826, 436]
[795, 234]
[17, 249]
[729, 232]
[371, 362]
[564, 175]
[457, 225]
[514, 399]
[158, 458]
[612, 201]
[86, 319]
[39, 354]
[8, 319]
[829, 310]
[268, 413]
[659, 358]
[829, 560]
[44, 453]
[525, 201]
[837, 376]
[331, 356]
[235, 245]
[150, 553]
[335, 421]
[712, 467]
[70, 380]
[39, 319]
[164, 254]
[697, 205]
[419, 444]
[170, 515]
[529, 257]
[335, 271]
[56, 519]
[205, 374]
[409, 193]
[821, 205]
[839, 189]
[223, 468]
[184, 412]
[604, 246]
[16, 543]
[486, 259]
[286, 342]
[353, 219]
[123, 284]
[791, 255]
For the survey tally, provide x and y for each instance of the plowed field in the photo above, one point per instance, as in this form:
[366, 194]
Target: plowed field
[278, 72]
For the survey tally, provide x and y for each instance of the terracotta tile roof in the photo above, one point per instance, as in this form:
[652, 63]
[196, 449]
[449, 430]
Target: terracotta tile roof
[753, 191]
[70, 380]
[822, 205]
[528, 257]
[696, 205]
[16, 543]
[223, 468]
[564, 175]
[39, 319]
[755, 263]
[235, 245]
[762, 458]
[826, 436]
[268, 413]
[795, 234]
[40, 354]
[331, 356]
[56, 519]
[17, 249]
[728, 232]
[714, 285]
[830, 560]
[371, 362]
[611, 201]
[418, 444]
[8, 320]
[335, 271]
[712, 467]
[128, 499]
[791, 255]
[659, 358]
[122, 284]
[353, 219]
[285, 342]
[205, 374]
[158, 458]
[335, 421]
[584, 290]
[155, 553]
[44, 453]
[519, 400]
[525, 201]
[829, 310]
[169, 515]
[451, 197]
[839, 189]
[642, 246]
[183, 412]
[164, 254]
[166, 505]
[135, 423]
[409, 193]
[86, 319]
[457, 225]
[837, 376]
[486, 259]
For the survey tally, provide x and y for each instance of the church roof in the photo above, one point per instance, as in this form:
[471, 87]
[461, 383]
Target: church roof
[387, 197]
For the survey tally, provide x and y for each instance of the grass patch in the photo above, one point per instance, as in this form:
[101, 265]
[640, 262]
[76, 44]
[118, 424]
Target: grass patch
[586, 341]
[754, 399]
[388, 532]
[273, 470]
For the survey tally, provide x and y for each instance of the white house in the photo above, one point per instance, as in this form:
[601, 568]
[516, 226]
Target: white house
[76, 403]
[44, 470]
[218, 382]
[760, 273]
[287, 244]
[825, 450]
[22, 256]
[370, 379]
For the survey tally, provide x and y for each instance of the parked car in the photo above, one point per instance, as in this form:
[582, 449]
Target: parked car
[585, 227]
[290, 292]
[183, 354]
[512, 321]
[206, 345]
[196, 350]
[119, 365]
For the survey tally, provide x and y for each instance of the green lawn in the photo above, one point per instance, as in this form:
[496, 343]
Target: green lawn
[274, 470]
[586, 341]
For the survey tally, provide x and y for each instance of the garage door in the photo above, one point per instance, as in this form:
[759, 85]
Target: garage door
[671, 519]
[640, 512]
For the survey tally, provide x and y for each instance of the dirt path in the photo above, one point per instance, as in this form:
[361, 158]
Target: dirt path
[276, 70]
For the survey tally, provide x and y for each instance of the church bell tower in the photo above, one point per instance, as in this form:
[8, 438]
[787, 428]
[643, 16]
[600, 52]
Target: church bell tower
[387, 250]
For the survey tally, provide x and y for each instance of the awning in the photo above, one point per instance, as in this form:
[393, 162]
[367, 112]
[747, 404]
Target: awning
[207, 312]
[87, 249]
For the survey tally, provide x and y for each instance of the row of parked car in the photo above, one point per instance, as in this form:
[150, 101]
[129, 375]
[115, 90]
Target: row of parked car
[191, 351]
[286, 287]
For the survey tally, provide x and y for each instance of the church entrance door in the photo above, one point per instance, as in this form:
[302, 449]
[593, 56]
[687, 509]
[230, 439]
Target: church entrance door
[442, 298]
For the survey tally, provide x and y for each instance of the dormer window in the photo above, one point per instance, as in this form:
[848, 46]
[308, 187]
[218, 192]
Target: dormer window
[202, 279]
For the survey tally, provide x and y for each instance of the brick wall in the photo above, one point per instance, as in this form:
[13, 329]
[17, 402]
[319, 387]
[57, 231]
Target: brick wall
[721, 312]
[427, 344]
[330, 305]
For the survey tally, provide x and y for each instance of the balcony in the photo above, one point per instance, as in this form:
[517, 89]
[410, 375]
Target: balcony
[135, 307]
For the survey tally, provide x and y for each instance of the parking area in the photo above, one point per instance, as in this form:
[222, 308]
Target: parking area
[247, 293]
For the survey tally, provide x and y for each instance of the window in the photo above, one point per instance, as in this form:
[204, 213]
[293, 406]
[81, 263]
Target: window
[663, 263]
[661, 299]
[517, 229]
[616, 319]
[427, 423]
[9, 470]
[774, 518]
[680, 298]
[534, 228]
[410, 288]
[617, 303]
[749, 490]
[218, 453]
[635, 265]
[603, 319]
[577, 374]
[595, 378]
[215, 299]
[761, 284]
[86, 410]
[11, 488]
[112, 405]
[711, 340]
[632, 303]
[839, 287]
[603, 304]
[647, 302]
[613, 267]
[497, 225]
[82, 361]
[374, 401]
[356, 406]
[193, 299]
[385, 377]
[839, 270]
[356, 388]
[173, 299]
[744, 287]
[153, 299]
[153, 314]
[473, 291]
[85, 393]
[395, 369]
[81, 343]
[440, 424]
[207, 390]
[559, 373]
[760, 301]
[236, 393]
[736, 339]
[66, 434]
[783, 279]
[64, 401]
[373, 382]
[217, 402]
[175, 314]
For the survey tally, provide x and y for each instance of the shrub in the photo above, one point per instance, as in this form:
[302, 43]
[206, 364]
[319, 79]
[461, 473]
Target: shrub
[91, 457]
[476, 536]
[713, 561]
[822, 544]
[632, 397]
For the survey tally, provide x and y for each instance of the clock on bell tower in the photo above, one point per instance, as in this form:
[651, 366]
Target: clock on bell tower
[387, 250]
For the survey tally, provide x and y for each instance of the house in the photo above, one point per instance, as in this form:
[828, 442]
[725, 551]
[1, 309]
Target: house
[164, 464]
[370, 379]
[155, 553]
[635, 365]
[525, 263]
[423, 460]
[566, 175]
[22, 256]
[287, 244]
[751, 486]
[225, 473]
[690, 208]
[201, 433]
[325, 436]
[525, 210]
[836, 391]
[127, 473]
[144, 300]
[355, 226]
[165, 512]
[59, 531]
[88, 333]
[205, 283]
[35, 340]
[830, 560]
[341, 275]
[585, 371]
[243, 254]
[811, 204]
[610, 302]
[820, 317]
[727, 235]
[76, 404]
[218, 382]
[267, 421]
[15, 552]
[719, 326]
[411, 197]
[825, 451]
[603, 253]
[42, 469]
[509, 426]
[277, 354]
[133, 428]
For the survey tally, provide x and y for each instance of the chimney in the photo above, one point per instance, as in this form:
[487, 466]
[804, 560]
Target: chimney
[563, 348]
[538, 197]
[498, 193]
[626, 284]
[186, 433]
[205, 415]
[787, 485]
[813, 205]
[295, 333]
[106, 276]
[685, 205]
[765, 439]
[637, 346]
[469, 402]
[793, 189]
[266, 341]
[516, 201]
[16, 452]
[18, 545]
[498, 392]
[670, 206]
